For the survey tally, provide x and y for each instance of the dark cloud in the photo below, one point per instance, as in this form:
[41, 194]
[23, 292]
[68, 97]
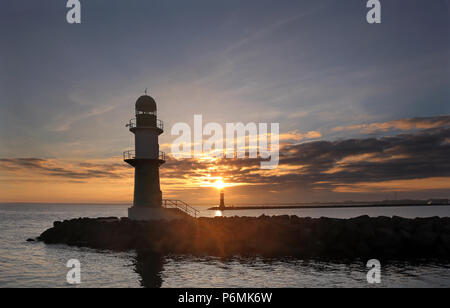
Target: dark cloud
[407, 156]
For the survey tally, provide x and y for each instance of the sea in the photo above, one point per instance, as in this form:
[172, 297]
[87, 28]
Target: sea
[35, 264]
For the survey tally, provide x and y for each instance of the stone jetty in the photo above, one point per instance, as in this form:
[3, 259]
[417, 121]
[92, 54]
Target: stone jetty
[277, 236]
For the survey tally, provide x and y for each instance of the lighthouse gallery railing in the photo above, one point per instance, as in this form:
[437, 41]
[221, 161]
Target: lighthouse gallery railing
[132, 124]
[127, 155]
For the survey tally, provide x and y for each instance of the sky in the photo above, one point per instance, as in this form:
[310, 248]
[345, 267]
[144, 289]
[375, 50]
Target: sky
[363, 109]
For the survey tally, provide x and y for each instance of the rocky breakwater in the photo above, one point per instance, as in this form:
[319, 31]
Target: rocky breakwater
[278, 236]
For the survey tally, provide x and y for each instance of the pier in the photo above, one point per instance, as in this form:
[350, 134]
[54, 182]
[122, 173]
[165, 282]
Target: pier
[304, 206]
[276, 236]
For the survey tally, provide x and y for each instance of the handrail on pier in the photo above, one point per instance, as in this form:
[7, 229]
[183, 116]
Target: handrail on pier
[183, 206]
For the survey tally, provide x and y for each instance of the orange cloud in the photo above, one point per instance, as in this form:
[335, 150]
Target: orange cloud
[52, 180]
[295, 136]
[403, 124]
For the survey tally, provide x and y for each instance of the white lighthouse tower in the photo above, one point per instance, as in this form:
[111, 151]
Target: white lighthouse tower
[146, 160]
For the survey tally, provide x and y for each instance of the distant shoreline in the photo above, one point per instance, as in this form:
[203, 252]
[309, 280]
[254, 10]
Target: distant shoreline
[287, 207]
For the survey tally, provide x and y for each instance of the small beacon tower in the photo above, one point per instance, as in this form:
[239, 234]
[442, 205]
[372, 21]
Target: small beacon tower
[222, 200]
[146, 160]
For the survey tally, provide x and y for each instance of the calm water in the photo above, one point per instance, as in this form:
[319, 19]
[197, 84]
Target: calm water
[25, 264]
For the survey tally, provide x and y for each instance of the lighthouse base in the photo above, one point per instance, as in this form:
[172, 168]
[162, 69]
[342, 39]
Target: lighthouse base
[149, 214]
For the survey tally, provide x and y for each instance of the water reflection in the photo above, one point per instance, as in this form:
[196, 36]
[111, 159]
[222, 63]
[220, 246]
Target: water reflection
[238, 272]
[149, 265]
[218, 214]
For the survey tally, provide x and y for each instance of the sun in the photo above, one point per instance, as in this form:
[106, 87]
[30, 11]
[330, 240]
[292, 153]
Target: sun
[219, 184]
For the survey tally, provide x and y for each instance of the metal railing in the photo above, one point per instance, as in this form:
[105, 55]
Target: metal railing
[132, 124]
[131, 154]
[181, 205]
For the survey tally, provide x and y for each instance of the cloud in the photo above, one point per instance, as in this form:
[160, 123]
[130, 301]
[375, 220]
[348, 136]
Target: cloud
[70, 120]
[295, 136]
[442, 183]
[401, 125]
[271, 28]
[336, 165]
[62, 169]
[405, 162]
[407, 156]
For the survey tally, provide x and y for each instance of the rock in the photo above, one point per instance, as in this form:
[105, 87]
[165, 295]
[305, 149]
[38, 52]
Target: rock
[360, 219]
[445, 239]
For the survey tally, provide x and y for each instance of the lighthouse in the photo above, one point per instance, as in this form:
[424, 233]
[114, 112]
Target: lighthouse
[222, 201]
[146, 160]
